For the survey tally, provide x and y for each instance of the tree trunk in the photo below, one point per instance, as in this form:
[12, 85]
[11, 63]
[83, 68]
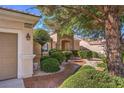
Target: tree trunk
[58, 41]
[73, 45]
[113, 43]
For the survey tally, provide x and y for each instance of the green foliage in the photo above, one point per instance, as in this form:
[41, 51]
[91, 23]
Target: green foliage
[87, 77]
[43, 58]
[59, 56]
[89, 54]
[75, 53]
[104, 65]
[82, 54]
[123, 56]
[41, 36]
[51, 51]
[66, 18]
[119, 82]
[95, 54]
[103, 58]
[50, 65]
[68, 55]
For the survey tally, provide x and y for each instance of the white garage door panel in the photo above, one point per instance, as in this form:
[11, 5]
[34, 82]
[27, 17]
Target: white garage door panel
[8, 56]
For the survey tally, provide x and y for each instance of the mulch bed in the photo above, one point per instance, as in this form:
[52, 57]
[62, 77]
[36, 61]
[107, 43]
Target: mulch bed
[52, 80]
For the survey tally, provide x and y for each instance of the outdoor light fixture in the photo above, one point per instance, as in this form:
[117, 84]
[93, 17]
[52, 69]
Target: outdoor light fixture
[28, 37]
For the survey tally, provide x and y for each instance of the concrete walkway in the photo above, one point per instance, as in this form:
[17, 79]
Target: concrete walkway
[12, 83]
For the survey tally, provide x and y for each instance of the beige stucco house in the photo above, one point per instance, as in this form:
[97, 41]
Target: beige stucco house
[16, 44]
[65, 42]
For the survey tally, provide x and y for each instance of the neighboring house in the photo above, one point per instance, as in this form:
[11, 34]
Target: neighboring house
[65, 43]
[96, 46]
[16, 44]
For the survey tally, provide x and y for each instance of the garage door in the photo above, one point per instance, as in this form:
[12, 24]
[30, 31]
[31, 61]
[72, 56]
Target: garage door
[8, 56]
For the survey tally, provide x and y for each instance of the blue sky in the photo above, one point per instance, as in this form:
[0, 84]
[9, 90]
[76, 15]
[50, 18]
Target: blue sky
[25, 8]
[29, 9]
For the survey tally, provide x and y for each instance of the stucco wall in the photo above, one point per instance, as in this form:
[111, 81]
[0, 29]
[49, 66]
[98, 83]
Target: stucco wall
[76, 44]
[27, 53]
[54, 43]
[25, 47]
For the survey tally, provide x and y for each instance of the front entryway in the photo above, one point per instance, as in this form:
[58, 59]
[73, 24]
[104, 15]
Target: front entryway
[8, 56]
[66, 45]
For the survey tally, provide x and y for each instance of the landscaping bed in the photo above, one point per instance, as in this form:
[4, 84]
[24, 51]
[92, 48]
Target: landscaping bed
[89, 77]
[52, 80]
[53, 62]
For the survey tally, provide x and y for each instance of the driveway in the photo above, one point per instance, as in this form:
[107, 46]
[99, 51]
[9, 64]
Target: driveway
[12, 83]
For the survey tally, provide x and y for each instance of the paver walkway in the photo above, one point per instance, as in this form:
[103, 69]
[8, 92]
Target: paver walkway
[53, 80]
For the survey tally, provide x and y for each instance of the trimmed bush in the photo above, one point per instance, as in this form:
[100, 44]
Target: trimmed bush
[59, 56]
[80, 79]
[50, 65]
[82, 54]
[53, 51]
[43, 58]
[87, 77]
[89, 54]
[68, 55]
[75, 53]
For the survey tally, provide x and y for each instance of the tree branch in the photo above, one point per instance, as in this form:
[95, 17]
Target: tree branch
[86, 11]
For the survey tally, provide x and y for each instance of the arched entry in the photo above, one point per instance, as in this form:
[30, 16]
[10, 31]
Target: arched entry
[66, 45]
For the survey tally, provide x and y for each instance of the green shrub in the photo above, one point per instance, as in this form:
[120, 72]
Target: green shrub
[53, 51]
[59, 56]
[95, 55]
[122, 54]
[103, 58]
[119, 81]
[82, 54]
[68, 55]
[50, 65]
[75, 53]
[80, 79]
[88, 77]
[104, 65]
[43, 58]
[89, 54]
